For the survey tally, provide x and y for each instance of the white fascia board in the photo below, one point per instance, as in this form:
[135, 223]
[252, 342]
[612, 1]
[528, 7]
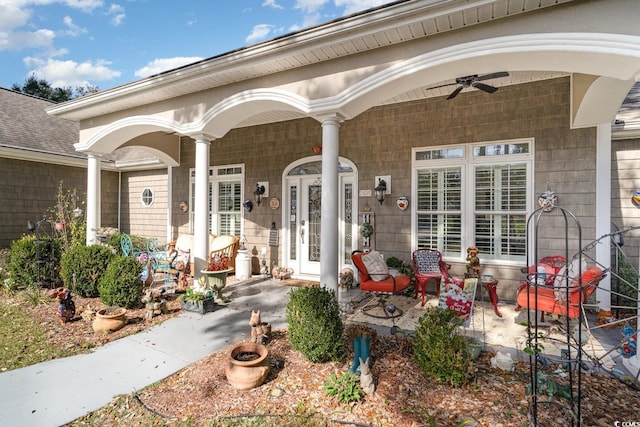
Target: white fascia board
[49, 158]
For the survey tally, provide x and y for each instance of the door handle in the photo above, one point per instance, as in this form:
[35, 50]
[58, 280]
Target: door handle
[302, 232]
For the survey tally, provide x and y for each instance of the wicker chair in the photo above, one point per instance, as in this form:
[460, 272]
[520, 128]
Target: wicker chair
[225, 246]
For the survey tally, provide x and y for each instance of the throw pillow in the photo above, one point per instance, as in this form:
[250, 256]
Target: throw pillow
[376, 266]
[428, 262]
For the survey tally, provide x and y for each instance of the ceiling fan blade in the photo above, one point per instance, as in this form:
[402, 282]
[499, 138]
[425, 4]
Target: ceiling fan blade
[444, 85]
[455, 92]
[484, 87]
[493, 76]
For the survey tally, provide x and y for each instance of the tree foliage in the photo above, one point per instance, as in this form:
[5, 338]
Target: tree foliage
[42, 88]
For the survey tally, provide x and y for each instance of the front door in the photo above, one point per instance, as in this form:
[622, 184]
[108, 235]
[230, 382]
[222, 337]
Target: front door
[302, 217]
[310, 204]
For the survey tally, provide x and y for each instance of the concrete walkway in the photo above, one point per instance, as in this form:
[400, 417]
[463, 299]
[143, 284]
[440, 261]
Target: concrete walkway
[59, 391]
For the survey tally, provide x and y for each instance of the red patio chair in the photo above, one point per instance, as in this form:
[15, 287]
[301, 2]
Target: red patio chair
[387, 285]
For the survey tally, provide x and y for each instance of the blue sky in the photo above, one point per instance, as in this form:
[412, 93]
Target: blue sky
[79, 42]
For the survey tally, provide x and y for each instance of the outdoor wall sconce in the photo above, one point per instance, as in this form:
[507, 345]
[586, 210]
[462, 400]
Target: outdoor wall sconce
[259, 193]
[77, 212]
[380, 190]
[31, 226]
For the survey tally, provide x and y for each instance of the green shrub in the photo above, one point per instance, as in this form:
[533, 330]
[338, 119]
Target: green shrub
[120, 284]
[82, 266]
[440, 350]
[22, 261]
[346, 387]
[315, 326]
[628, 285]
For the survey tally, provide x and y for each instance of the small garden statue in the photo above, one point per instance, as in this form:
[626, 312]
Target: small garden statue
[366, 379]
[66, 306]
[345, 279]
[260, 331]
[473, 263]
[551, 388]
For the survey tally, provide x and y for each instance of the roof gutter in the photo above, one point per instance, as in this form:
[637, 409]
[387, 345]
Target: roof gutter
[625, 130]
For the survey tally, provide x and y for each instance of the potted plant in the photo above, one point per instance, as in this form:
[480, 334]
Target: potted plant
[197, 299]
[394, 265]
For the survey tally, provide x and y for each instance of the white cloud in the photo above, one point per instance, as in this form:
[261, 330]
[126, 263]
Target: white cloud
[313, 15]
[12, 16]
[71, 73]
[352, 6]
[24, 39]
[117, 14]
[164, 64]
[259, 32]
[85, 5]
[272, 4]
[73, 29]
[309, 6]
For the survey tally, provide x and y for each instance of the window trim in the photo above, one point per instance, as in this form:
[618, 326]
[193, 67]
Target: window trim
[143, 198]
[214, 178]
[468, 162]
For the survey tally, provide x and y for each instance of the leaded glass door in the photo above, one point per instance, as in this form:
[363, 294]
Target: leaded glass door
[311, 204]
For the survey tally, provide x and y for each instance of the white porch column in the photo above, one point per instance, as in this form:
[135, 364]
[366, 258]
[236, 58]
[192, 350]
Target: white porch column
[201, 208]
[93, 197]
[330, 192]
[603, 209]
[169, 203]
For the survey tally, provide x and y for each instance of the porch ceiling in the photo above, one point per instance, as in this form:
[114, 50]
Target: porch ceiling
[388, 25]
[418, 93]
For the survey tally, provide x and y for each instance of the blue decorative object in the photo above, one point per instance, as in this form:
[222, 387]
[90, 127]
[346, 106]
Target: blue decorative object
[248, 205]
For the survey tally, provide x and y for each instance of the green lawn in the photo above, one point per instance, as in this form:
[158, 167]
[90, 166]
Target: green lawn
[22, 341]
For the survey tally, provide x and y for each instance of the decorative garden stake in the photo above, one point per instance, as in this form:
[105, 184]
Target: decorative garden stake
[362, 336]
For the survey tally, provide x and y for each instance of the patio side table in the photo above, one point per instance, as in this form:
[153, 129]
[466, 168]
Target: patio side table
[491, 287]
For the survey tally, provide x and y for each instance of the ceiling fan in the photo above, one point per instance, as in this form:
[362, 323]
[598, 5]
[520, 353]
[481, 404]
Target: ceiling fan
[474, 81]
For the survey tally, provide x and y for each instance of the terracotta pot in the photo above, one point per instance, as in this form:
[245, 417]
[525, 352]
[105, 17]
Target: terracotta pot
[113, 321]
[247, 374]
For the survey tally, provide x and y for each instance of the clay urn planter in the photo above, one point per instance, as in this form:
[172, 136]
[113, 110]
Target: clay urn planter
[247, 366]
[109, 320]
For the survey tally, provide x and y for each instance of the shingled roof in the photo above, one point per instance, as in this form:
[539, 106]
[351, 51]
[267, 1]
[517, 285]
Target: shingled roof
[630, 109]
[26, 126]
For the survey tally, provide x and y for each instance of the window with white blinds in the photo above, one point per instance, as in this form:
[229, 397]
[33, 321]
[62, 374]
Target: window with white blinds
[225, 199]
[475, 195]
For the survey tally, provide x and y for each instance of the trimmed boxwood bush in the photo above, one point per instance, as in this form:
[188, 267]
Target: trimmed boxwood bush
[440, 349]
[315, 326]
[120, 284]
[22, 261]
[82, 266]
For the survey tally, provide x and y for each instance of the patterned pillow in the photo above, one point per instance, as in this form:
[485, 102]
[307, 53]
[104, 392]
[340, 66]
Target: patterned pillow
[427, 262]
[376, 266]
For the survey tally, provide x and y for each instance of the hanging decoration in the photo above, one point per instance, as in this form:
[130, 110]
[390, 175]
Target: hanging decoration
[402, 203]
[548, 200]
